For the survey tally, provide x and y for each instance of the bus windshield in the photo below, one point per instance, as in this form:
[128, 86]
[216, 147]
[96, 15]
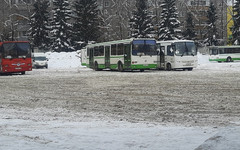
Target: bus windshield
[185, 48]
[213, 51]
[16, 50]
[144, 47]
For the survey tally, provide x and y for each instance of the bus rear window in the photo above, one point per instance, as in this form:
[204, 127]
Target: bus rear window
[144, 47]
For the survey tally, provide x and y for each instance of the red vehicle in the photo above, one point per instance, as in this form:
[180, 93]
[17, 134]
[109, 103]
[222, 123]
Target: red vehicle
[15, 57]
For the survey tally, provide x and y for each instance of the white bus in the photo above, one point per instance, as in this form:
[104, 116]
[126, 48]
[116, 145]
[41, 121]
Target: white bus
[177, 54]
[128, 54]
[224, 53]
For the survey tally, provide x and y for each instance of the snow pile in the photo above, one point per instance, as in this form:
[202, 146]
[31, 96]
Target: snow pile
[63, 60]
[203, 59]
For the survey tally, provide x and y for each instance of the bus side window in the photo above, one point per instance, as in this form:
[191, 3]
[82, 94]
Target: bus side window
[120, 49]
[221, 51]
[170, 51]
[96, 51]
[101, 51]
[113, 49]
[88, 51]
[162, 50]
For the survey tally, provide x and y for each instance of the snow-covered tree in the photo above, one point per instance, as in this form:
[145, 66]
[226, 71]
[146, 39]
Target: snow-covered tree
[39, 24]
[169, 24]
[141, 22]
[236, 23]
[189, 32]
[212, 29]
[87, 21]
[61, 30]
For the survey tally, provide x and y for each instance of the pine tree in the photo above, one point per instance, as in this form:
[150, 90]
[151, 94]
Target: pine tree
[61, 28]
[189, 33]
[169, 25]
[212, 29]
[141, 22]
[236, 23]
[39, 24]
[87, 21]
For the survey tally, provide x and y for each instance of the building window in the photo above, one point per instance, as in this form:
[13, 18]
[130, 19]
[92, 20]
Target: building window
[105, 12]
[198, 3]
[106, 4]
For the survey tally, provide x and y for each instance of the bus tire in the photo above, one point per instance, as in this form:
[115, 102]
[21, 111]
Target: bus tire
[229, 59]
[96, 66]
[120, 67]
[23, 72]
[169, 67]
[190, 69]
[141, 70]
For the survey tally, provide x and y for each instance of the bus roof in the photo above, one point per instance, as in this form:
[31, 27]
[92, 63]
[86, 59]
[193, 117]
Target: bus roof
[1, 43]
[117, 41]
[226, 46]
[174, 41]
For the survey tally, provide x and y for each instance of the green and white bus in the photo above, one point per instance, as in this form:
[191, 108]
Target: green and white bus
[128, 54]
[177, 54]
[224, 53]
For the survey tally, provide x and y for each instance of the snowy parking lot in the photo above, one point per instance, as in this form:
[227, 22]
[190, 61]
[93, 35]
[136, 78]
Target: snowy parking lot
[71, 107]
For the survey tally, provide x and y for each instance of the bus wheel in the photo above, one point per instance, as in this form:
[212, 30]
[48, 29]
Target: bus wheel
[96, 66]
[23, 72]
[169, 67]
[141, 70]
[229, 59]
[190, 69]
[120, 67]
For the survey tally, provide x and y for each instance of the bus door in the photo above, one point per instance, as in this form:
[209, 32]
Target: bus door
[91, 60]
[127, 56]
[162, 57]
[107, 56]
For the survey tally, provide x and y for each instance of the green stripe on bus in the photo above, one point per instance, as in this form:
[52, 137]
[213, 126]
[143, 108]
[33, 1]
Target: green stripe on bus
[117, 57]
[110, 57]
[217, 59]
[133, 67]
[84, 64]
[148, 66]
[223, 59]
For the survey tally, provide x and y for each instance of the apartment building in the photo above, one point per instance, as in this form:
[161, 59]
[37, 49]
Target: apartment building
[199, 10]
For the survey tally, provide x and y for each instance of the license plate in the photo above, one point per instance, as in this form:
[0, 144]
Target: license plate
[189, 64]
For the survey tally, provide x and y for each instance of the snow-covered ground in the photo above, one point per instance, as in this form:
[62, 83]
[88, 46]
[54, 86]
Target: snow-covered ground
[92, 134]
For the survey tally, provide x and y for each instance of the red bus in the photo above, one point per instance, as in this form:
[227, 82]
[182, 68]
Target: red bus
[15, 57]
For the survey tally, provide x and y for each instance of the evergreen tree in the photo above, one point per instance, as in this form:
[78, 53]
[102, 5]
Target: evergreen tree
[189, 33]
[212, 29]
[141, 22]
[39, 24]
[236, 23]
[87, 21]
[61, 28]
[169, 25]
